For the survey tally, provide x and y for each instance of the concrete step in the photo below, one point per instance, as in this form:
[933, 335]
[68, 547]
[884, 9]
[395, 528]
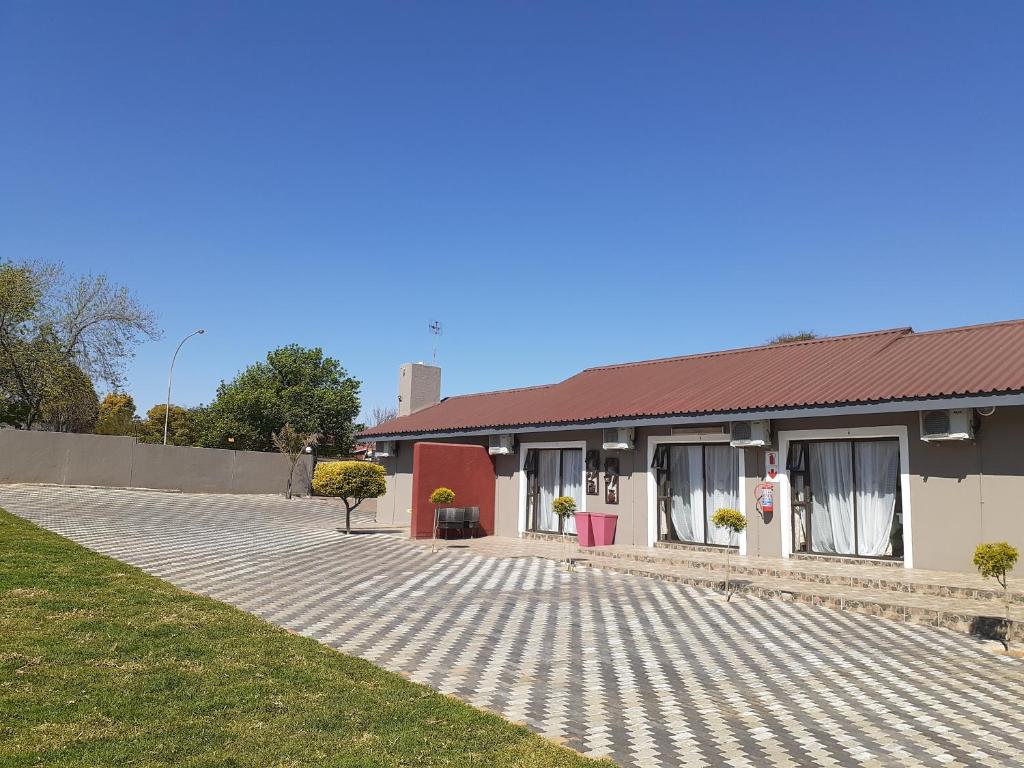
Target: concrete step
[976, 617]
[823, 571]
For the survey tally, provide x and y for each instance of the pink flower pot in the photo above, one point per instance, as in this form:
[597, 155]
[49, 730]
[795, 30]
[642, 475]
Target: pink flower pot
[584, 532]
[603, 526]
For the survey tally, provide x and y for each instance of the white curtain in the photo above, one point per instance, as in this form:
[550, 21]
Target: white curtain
[832, 497]
[722, 475]
[572, 482]
[686, 477]
[549, 464]
[878, 467]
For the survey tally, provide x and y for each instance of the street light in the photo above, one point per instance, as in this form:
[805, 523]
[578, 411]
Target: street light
[167, 410]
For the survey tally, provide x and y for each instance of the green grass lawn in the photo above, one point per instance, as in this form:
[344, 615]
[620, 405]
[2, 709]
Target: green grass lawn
[101, 664]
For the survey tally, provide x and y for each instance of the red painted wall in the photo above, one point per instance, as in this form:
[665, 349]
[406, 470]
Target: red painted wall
[466, 469]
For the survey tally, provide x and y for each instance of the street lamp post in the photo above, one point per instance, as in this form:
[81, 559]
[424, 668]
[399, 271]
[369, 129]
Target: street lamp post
[170, 374]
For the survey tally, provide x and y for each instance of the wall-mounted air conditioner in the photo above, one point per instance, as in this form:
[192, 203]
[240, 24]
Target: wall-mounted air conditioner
[947, 424]
[619, 439]
[501, 445]
[384, 449]
[750, 434]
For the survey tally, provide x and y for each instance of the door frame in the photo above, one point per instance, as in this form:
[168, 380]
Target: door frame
[785, 498]
[653, 441]
[523, 448]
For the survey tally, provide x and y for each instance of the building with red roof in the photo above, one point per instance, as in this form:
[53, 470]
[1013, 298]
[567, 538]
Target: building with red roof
[892, 445]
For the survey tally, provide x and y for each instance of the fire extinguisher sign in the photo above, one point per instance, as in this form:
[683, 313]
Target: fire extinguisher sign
[771, 466]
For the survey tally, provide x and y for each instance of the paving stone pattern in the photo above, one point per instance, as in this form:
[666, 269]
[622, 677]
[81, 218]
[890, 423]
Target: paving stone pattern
[647, 672]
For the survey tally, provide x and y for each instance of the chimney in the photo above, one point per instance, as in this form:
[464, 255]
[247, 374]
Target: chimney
[419, 386]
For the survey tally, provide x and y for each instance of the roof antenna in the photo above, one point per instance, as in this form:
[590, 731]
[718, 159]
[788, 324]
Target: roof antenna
[435, 329]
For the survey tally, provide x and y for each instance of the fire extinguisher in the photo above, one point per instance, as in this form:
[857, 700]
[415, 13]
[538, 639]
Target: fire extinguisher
[764, 495]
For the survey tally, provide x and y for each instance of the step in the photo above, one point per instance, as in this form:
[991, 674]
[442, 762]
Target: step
[961, 615]
[823, 571]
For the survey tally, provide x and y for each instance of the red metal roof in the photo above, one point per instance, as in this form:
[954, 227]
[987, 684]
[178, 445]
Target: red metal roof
[895, 364]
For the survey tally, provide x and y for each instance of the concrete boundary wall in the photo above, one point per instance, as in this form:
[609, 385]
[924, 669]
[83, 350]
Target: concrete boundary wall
[122, 462]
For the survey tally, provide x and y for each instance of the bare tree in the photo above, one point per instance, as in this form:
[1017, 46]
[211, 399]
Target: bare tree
[380, 414]
[293, 444]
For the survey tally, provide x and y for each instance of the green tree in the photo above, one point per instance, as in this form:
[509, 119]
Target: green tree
[297, 386]
[49, 322]
[995, 561]
[184, 425]
[69, 402]
[353, 482]
[117, 415]
[785, 338]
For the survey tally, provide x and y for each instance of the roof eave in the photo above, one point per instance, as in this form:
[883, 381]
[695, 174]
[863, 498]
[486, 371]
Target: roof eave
[786, 412]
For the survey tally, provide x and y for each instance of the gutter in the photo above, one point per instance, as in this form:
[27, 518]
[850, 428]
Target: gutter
[888, 406]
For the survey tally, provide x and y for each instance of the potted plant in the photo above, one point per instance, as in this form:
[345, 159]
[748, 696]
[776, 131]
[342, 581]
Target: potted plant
[734, 522]
[439, 498]
[565, 508]
[995, 561]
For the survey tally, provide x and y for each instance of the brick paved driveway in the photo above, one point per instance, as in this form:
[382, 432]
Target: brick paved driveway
[652, 674]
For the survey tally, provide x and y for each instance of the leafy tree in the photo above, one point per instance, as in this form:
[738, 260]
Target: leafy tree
[48, 322]
[351, 481]
[995, 561]
[117, 415]
[733, 521]
[785, 338]
[184, 425]
[296, 386]
[292, 444]
[69, 402]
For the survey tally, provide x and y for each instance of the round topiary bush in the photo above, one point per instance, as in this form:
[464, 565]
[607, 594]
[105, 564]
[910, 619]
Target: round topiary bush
[351, 481]
[442, 495]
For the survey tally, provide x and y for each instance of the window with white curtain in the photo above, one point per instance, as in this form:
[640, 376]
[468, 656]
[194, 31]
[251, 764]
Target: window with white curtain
[846, 498]
[550, 473]
[694, 482]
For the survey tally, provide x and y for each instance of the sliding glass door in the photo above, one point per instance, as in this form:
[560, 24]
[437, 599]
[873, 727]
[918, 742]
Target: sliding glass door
[846, 498]
[694, 482]
[550, 473]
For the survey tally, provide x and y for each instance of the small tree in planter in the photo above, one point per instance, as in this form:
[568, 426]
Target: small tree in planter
[439, 498]
[352, 481]
[733, 521]
[565, 508]
[995, 561]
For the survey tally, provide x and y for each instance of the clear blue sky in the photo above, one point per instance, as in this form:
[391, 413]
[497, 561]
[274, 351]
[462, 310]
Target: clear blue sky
[561, 184]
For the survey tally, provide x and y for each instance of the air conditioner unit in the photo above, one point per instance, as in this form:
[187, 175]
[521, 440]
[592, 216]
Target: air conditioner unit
[620, 439]
[947, 424]
[501, 445]
[384, 449]
[750, 434]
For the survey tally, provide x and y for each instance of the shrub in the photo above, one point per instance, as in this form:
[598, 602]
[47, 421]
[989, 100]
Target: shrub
[730, 519]
[352, 481]
[995, 561]
[564, 506]
[442, 495]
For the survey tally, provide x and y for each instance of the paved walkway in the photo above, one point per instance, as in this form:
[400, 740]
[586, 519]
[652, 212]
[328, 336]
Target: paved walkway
[650, 673]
